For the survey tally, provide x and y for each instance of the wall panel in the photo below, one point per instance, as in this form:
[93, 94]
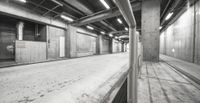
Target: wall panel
[30, 51]
[197, 32]
[81, 42]
[177, 39]
[7, 38]
[54, 35]
[105, 44]
[85, 44]
[117, 46]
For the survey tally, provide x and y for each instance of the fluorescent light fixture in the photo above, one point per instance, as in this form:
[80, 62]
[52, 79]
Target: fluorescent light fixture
[23, 1]
[110, 35]
[55, 1]
[89, 27]
[119, 20]
[169, 16]
[105, 4]
[66, 18]
[173, 50]
[160, 27]
[102, 32]
[126, 28]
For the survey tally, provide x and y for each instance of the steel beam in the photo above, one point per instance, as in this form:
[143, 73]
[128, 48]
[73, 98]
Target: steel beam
[108, 25]
[86, 10]
[50, 10]
[102, 15]
[174, 5]
[78, 5]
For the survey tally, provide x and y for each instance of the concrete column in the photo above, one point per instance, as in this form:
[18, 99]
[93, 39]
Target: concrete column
[20, 28]
[123, 47]
[150, 29]
[111, 45]
[99, 44]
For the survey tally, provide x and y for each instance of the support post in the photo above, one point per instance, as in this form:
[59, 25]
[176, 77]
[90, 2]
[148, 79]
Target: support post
[126, 10]
[111, 45]
[20, 28]
[150, 29]
[132, 77]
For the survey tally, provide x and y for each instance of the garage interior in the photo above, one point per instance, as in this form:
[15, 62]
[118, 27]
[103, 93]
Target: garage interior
[99, 51]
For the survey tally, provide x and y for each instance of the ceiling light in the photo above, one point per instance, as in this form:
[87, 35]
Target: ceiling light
[102, 32]
[66, 18]
[105, 4]
[119, 20]
[126, 28]
[169, 16]
[160, 27]
[110, 35]
[55, 1]
[89, 27]
[23, 1]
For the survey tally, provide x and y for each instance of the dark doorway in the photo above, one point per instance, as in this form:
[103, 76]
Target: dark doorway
[7, 38]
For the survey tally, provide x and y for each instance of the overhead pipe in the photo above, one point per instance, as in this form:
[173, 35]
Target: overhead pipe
[127, 12]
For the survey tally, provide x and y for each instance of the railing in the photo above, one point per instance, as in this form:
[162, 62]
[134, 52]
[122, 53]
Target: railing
[120, 89]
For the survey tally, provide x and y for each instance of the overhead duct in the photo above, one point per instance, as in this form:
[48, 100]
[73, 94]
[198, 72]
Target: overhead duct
[127, 12]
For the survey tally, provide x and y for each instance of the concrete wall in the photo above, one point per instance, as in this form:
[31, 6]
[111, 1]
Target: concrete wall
[150, 29]
[7, 38]
[181, 39]
[54, 34]
[117, 46]
[104, 44]
[30, 51]
[81, 42]
[21, 12]
[197, 33]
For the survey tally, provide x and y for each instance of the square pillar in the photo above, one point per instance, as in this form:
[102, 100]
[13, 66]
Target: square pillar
[150, 29]
[20, 30]
[99, 44]
[111, 45]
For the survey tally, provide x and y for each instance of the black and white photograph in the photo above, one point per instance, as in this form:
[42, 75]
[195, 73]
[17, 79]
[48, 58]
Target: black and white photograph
[99, 51]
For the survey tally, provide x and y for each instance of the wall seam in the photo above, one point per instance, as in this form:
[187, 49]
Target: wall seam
[194, 34]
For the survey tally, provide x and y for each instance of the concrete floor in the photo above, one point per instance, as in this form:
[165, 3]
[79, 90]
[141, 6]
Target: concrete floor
[190, 68]
[68, 81]
[89, 79]
[160, 83]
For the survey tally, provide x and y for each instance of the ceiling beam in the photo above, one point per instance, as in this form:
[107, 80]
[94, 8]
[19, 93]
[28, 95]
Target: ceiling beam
[78, 5]
[108, 25]
[73, 9]
[102, 15]
[122, 31]
[174, 5]
[83, 8]
[119, 32]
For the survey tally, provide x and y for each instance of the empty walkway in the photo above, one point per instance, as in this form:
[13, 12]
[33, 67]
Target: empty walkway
[161, 83]
[190, 69]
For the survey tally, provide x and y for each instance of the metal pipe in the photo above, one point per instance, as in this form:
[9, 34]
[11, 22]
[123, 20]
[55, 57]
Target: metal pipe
[126, 10]
[174, 5]
[165, 8]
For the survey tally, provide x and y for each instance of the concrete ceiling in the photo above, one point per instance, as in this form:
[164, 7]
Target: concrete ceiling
[92, 12]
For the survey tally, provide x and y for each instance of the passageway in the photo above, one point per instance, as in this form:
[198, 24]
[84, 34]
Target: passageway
[99, 51]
